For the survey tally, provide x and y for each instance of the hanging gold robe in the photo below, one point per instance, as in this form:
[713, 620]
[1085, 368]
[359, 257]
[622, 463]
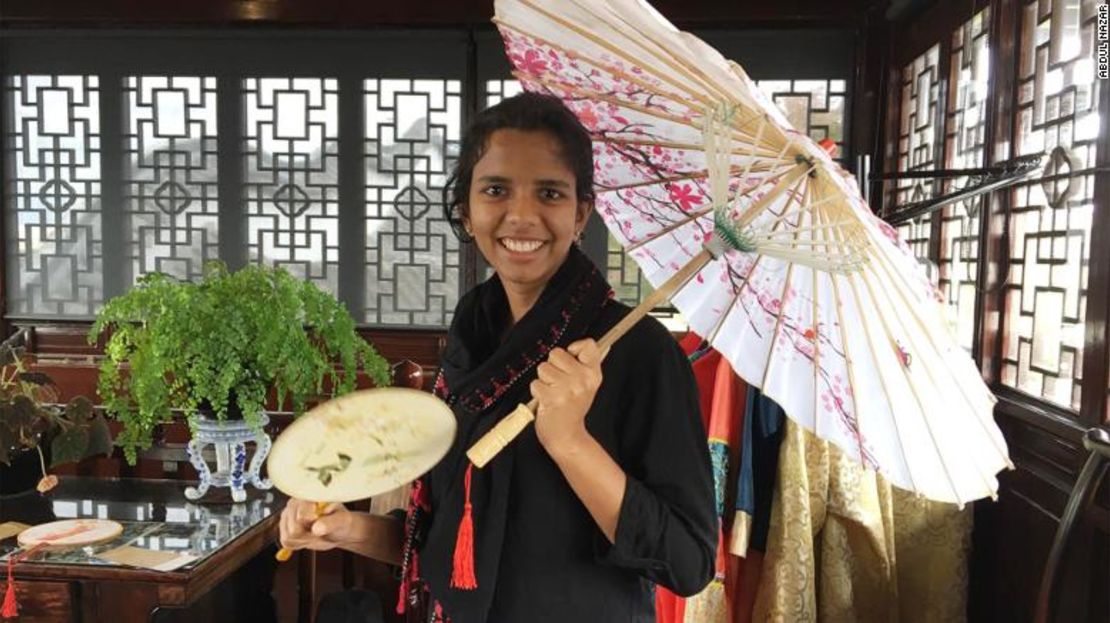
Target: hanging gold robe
[845, 546]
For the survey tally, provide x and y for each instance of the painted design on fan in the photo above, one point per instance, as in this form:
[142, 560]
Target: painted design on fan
[325, 472]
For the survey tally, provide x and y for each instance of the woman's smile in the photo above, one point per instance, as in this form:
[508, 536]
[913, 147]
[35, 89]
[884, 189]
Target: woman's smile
[521, 246]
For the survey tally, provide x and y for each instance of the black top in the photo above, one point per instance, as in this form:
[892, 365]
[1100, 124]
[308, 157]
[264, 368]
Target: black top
[539, 554]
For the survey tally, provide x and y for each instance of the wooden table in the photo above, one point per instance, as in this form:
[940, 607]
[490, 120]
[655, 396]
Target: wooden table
[234, 541]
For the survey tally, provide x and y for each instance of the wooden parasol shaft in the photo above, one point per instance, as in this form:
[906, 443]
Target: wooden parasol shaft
[510, 426]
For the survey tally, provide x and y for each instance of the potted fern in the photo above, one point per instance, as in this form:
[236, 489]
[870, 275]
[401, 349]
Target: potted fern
[216, 347]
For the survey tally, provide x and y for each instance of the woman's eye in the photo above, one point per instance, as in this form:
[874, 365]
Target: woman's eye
[494, 191]
[550, 194]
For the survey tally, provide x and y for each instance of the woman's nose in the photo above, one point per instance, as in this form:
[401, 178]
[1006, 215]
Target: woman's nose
[523, 208]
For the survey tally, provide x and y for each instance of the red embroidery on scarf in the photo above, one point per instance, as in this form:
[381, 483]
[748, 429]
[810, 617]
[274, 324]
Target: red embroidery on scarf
[509, 377]
[420, 501]
[440, 387]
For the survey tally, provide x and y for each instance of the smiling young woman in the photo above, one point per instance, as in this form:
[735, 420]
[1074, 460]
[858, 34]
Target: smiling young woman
[611, 491]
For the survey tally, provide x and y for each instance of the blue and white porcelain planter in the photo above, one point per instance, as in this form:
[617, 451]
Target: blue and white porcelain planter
[229, 439]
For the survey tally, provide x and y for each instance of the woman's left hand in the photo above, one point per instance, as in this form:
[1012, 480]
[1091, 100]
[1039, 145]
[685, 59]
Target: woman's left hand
[565, 388]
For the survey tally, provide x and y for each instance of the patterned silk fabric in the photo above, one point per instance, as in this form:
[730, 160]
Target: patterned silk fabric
[846, 546]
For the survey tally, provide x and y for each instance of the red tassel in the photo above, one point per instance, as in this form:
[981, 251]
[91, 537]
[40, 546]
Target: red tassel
[462, 575]
[10, 609]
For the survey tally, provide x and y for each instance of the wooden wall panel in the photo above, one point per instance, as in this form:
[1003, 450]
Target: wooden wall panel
[362, 14]
[1012, 536]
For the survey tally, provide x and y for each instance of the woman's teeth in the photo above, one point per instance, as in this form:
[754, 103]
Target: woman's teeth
[521, 246]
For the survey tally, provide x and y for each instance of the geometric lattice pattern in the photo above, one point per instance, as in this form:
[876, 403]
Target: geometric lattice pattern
[169, 187]
[814, 107]
[497, 90]
[53, 191]
[918, 144]
[628, 283]
[964, 136]
[290, 175]
[413, 268]
[1050, 221]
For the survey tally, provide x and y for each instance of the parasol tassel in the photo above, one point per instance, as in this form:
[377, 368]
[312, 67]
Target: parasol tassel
[462, 574]
[10, 608]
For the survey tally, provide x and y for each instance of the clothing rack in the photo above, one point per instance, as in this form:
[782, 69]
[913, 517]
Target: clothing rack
[980, 180]
[1097, 441]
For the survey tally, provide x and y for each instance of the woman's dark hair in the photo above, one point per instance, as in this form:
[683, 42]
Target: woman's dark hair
[529, 112]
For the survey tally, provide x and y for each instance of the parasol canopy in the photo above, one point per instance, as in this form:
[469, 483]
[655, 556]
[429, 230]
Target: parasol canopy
[763, 242]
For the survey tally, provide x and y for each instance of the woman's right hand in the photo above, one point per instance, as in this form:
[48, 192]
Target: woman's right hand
[301, 528]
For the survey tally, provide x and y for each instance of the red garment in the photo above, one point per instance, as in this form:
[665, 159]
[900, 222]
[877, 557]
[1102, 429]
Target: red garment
[722, 395]
[705, 373]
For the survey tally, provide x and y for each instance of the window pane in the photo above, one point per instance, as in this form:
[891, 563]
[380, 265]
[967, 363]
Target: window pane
[412, 256]
[917, 144]
[965, 125]
[497, 90]
[815, 107]
[1050, 221]
[169, 184]
[54, 237]
[291, 175]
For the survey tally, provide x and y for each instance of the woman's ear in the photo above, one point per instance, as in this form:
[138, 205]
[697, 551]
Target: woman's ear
[464, 218]
[582, 214]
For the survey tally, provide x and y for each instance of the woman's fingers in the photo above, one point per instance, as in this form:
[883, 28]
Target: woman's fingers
[289, 528]
[562, 360]
[332, 527]
[306, 512]
[587, 351]
[539, 391]
[301, 527]
[550, 373]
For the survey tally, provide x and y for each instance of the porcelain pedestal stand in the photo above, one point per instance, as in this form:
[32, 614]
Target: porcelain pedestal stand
[229, 440]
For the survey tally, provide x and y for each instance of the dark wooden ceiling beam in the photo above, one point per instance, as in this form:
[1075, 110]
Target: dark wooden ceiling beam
[363, 14]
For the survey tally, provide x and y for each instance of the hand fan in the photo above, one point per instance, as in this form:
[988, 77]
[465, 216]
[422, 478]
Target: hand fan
[361, 444]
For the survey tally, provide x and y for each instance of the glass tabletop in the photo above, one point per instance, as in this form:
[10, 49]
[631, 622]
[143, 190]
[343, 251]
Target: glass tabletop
[154, 514]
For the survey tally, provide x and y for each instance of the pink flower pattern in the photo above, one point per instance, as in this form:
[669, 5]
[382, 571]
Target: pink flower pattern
[647, 188]
[685, 196]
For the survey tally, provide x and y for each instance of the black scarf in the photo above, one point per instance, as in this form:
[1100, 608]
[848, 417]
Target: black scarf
[485, 374]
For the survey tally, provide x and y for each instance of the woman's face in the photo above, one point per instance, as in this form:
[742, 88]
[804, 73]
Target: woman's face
[522, 210]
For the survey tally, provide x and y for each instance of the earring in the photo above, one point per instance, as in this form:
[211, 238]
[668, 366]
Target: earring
[578, 237]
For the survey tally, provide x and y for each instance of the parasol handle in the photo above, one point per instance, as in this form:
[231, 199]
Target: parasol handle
[285, 553]
[510, 426]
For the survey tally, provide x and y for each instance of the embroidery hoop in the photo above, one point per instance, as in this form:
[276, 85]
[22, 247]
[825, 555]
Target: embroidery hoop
[70, 533]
